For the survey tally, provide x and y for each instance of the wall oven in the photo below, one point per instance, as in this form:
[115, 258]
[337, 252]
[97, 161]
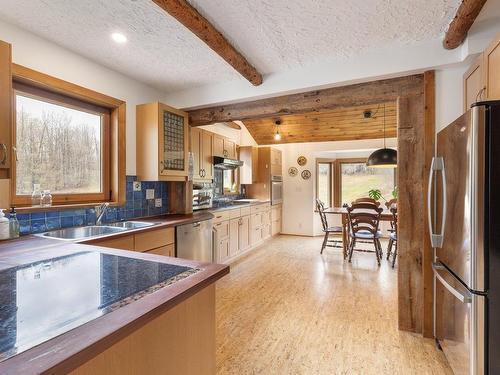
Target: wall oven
[276, 190]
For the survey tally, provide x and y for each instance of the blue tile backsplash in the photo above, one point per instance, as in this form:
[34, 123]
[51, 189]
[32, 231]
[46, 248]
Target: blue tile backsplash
[136, 206]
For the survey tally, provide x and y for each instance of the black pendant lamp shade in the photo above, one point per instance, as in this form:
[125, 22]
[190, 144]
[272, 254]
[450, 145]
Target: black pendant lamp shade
[384, 157]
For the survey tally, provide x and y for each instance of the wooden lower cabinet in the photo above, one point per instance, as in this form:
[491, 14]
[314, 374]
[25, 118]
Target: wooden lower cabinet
[160, 241]
[244, 233]
[223, 249]
[234, 242]
[168, 250]
[123, 243]
[255, 236]
[179, 341]
[276, 219]
[240, 230]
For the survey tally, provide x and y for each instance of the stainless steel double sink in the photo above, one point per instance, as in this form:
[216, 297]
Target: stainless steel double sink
[91, 231]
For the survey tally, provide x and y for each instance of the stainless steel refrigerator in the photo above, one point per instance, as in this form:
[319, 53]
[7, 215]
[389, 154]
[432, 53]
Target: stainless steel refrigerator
[464, 193]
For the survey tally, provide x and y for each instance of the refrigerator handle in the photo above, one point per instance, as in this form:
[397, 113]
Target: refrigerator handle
[438, 268]
[436, 165]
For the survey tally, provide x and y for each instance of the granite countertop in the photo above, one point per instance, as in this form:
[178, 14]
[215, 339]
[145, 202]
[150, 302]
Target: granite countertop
[62, 301]
[236, 206]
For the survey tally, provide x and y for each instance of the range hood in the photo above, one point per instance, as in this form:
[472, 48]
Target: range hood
[225, 163]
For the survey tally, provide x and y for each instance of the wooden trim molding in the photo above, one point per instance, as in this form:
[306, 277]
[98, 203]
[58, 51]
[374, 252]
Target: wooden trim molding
[114, 133]
[459, 27]
[187, 15]
[428, 258]
[369, 93]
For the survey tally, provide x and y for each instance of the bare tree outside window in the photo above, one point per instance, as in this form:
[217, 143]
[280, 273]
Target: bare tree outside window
[58, 147]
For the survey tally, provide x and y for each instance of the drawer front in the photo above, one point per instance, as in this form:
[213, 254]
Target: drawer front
[168, 251]
[220, 216]
[222, 229]
[275, 213]
[259, 208]
[234, 214]
[154, 239]
[245, 211]
[123, 243]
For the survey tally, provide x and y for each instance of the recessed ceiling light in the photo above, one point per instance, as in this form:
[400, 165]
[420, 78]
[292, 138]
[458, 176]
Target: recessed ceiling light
[119, 38]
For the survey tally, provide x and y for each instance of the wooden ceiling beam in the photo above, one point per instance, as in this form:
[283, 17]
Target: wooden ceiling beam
[462, 22]
[187, 15]
[368, 94]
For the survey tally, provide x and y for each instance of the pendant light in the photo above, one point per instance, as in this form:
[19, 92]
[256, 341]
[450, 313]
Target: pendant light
[384, 157]
[277, 135]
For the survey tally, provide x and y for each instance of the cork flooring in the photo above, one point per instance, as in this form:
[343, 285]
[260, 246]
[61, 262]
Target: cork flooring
[286, 309]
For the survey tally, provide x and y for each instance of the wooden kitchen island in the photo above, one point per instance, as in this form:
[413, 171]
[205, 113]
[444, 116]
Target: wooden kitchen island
[167, 328]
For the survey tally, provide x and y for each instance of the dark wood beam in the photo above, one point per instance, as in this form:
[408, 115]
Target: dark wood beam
[183, 12]
[369, 93]
[460, 25]
[232, 125]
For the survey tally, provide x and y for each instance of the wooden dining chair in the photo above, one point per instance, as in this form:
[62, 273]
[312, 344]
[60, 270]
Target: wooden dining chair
[364, 221]
[327, 230]
[366, 200]
[393, 237]
[390, 203]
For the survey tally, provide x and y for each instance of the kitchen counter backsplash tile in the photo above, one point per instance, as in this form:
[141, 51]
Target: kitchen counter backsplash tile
[136, 205]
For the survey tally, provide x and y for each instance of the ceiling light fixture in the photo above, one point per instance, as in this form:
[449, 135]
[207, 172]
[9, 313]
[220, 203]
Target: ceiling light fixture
[277, 135]
[119, 38]
[384, 157]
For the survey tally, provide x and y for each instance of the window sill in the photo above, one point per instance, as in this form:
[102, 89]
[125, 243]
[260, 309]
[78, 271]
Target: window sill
[62, 207]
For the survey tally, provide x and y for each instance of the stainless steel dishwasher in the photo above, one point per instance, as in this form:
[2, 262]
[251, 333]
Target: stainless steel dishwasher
[194, 241]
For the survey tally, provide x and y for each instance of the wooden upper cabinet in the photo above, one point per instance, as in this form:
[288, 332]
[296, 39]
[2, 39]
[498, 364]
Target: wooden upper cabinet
[474, 85]
[162, 134]
[207, 159]
[275, 156]
[202, 149]
[249, 171]
[5, 108]
[482, 79]
[229, 149]
[196, 149]
[218, 145]
[492, 69]
[224, 147]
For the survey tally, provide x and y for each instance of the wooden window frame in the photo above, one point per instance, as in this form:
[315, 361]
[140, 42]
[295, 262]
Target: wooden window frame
[61, 92]
[332, 182]
[337, 179]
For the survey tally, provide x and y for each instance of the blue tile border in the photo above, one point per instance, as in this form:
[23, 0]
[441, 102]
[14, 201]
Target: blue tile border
[135, 206]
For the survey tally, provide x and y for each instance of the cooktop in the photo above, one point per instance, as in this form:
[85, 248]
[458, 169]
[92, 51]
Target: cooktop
[44, 299]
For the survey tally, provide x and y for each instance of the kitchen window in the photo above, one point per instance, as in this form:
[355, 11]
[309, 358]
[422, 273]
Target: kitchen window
[354, 180]
[324, 183]
[67, 140]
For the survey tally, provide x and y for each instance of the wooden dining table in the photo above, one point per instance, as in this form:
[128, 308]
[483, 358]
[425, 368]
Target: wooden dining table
[386, 215]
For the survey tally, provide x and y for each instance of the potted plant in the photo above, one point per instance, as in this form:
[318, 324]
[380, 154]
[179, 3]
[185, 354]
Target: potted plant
[377, 194]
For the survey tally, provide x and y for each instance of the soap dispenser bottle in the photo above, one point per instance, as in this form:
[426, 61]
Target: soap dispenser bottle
[13, 224]
[4, 227]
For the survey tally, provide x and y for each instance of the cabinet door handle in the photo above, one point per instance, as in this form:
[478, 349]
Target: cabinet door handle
[3, 147]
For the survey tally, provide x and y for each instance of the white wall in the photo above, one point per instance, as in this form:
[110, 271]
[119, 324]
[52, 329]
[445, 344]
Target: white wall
[449, 94]
[299, 217]
[44, 56]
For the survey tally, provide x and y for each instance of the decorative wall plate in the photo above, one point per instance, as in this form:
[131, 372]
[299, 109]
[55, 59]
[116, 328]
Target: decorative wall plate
[301, 160]
[292, 171]
[306, 174]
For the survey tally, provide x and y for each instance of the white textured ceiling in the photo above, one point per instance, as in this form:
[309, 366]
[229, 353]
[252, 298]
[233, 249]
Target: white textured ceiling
[275, 35]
